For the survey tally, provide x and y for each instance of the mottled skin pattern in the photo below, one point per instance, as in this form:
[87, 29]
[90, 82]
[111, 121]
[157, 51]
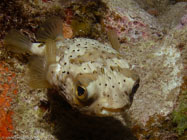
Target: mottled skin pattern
[99, 69]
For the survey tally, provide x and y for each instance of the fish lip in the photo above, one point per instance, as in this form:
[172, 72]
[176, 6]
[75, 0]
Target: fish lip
[113, 111]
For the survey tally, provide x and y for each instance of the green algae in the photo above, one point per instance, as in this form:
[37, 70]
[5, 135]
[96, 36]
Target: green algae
[180, 115]
[81, 28]
[87, 18]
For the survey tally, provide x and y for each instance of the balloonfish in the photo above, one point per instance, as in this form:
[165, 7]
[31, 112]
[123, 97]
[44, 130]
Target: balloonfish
[92, 77]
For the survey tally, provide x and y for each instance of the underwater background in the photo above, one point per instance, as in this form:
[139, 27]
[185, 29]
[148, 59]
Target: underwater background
[153, 38]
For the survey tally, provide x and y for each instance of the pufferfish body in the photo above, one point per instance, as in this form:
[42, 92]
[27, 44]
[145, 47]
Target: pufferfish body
[93, 77]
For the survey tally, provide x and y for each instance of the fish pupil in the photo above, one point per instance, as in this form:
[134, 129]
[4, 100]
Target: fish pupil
[80, 91]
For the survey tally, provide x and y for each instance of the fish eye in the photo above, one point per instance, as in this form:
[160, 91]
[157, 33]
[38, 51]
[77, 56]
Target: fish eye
[81, 93]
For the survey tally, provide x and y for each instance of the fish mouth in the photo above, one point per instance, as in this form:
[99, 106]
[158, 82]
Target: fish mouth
[113, 111]
[106, 111]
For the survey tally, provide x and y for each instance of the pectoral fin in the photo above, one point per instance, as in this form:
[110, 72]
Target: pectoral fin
[51, 29]
[17, 42]
[38, 67]
[50, 52]
[37, 73]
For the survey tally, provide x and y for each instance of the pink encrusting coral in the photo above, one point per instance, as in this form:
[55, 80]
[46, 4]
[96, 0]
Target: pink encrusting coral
[183, 22]
[128, 29]
[132, 24]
